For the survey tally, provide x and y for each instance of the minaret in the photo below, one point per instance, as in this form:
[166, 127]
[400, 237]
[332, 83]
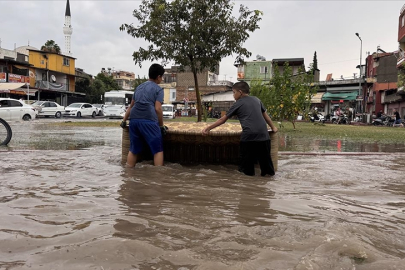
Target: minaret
[67, 30]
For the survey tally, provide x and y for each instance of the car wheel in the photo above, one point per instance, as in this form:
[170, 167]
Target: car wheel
[58, 114]
[79, 114]
[93, 115]
[26, 117]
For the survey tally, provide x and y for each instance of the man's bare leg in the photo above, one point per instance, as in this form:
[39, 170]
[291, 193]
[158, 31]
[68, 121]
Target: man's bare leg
[131, 159]
[158, 159]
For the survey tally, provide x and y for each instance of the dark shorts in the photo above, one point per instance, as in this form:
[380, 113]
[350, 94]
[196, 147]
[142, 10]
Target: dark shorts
[143, 132]
[253, 152]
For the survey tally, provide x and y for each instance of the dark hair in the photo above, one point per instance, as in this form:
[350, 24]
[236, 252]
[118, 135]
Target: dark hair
[156, 70]
[242, 86]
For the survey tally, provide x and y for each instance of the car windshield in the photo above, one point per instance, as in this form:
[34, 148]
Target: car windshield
[75, 105]
[167, 109]
[38, 103]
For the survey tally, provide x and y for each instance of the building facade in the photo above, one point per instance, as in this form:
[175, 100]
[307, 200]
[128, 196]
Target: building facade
[14, 68]
[400, 104]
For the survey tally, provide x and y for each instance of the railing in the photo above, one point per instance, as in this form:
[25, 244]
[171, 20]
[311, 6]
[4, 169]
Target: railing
[51, 86]
[334, 82]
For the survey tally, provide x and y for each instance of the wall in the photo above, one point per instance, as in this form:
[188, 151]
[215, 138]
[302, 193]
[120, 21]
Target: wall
[183, 92]
[54, 62]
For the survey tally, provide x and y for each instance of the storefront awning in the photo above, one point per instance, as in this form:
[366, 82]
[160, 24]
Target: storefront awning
[340, 96]
[317, 98]
[10, 86]
[24, 91]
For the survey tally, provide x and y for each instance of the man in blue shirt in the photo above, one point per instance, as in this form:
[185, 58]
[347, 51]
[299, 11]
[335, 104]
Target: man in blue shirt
[146, 118]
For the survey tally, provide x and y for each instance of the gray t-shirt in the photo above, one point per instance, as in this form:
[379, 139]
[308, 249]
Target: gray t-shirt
[249, 111]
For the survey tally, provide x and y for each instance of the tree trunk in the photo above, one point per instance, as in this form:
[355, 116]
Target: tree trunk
[198, 96]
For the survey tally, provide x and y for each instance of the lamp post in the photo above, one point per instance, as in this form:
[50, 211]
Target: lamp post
[360, 90]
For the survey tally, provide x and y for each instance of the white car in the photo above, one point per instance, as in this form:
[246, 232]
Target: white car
[100, 109]
[13, 109]
[49, 108]
[115, 111]
[80, 109]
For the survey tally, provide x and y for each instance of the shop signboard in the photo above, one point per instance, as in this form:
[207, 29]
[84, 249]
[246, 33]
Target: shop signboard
[18, 78]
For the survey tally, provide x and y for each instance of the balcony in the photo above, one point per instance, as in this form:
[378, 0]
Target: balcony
[55, 86]
[390, 98]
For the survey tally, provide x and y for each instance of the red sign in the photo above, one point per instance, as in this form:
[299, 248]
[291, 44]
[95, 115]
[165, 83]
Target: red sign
[18, 78]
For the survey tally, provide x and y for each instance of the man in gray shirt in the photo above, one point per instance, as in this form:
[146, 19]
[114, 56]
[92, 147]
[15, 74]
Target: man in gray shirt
[255, 140]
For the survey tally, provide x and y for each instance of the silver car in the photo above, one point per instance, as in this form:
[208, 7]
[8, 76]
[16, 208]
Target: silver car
[49, 108]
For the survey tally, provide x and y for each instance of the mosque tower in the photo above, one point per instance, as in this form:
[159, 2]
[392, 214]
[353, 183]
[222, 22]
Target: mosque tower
[67, 30]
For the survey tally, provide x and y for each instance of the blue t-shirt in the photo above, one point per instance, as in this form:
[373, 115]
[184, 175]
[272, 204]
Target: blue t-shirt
[145, 96]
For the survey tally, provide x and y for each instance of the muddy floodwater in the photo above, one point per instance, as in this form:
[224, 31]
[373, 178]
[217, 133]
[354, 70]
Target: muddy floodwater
[67, 202]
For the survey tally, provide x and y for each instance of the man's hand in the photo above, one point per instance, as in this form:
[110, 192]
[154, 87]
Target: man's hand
[275, 129]
[205, 131]
[163, 130]
[123, 124]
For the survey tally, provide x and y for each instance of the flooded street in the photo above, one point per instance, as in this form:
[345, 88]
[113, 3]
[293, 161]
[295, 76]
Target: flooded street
[67, 202]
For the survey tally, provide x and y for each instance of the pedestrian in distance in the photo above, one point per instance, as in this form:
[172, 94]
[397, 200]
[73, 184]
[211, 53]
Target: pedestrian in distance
[398, 120]
[146, 118]
[255, 140]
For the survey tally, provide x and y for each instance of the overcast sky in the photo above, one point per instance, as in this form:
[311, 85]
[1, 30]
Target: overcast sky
[288, 29]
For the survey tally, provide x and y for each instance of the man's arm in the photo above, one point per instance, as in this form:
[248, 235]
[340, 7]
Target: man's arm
[217, 123]
[126, 116]
[269, 122]
[159, 112]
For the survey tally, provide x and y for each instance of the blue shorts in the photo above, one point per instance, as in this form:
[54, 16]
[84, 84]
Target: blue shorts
[143, 131]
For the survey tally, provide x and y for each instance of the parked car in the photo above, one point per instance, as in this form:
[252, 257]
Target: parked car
[80, 109]
[49, 108]
[13, 109]
[100, 109]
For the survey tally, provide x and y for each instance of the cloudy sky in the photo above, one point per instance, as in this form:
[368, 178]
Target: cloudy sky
[289, 29]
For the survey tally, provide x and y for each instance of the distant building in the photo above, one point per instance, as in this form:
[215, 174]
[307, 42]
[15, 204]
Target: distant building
[182, 87]
[262, 69]
[124, 79]
[14, 68]
[400, 54]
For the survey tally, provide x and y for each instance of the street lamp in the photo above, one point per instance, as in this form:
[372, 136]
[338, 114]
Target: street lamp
[360, 90]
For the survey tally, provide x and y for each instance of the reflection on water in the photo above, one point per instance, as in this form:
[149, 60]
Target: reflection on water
[84, 210]
[288, 143]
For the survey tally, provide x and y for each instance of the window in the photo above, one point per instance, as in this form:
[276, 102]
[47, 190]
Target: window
[263, 69]
[172, 94]
[403, 21]
[14, 103]
[42, 62]
[66, 61]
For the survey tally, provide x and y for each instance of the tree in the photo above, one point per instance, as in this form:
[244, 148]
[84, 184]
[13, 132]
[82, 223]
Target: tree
[193, 34]
[95, 89]
[108, 81]
[315, 62]
[287, 95]
[50, 46]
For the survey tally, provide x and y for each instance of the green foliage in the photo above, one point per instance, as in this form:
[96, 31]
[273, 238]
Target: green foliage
[315, 62]
[193, 34]
[96, 88]
[401, 76]
[287, 95]
[50, 46]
